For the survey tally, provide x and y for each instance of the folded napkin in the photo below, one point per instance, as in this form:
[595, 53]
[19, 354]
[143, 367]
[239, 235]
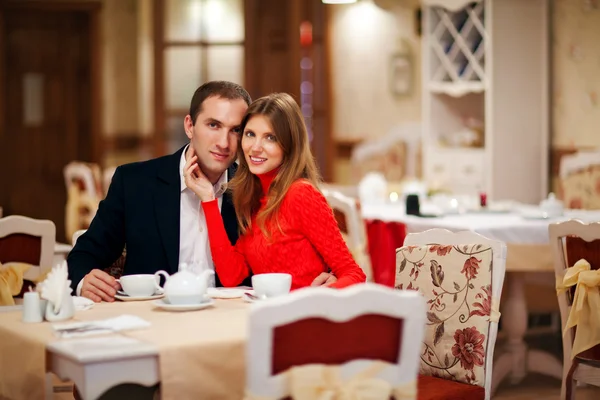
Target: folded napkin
[11, 281]
[82, 303]
[87, 328]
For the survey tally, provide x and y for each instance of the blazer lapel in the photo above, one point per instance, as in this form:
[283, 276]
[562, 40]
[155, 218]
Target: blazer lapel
[167, 195]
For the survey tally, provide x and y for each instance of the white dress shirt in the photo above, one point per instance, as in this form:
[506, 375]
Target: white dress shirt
[194, 247]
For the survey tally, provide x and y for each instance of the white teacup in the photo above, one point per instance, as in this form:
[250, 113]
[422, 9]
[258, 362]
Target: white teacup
[271, 285]
[139, 285]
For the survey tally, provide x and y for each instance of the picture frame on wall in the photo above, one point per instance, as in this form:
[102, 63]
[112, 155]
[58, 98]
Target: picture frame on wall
[401, 74]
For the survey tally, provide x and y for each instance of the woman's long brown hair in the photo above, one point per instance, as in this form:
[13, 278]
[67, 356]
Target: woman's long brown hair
[287, 122]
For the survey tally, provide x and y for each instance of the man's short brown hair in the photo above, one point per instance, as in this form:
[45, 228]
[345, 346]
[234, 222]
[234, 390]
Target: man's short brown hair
[223, 89]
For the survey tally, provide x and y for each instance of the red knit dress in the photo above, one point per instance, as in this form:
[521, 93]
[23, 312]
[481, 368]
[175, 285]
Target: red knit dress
[311, 242]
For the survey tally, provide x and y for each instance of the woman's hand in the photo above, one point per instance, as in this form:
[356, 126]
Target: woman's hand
[195, 180]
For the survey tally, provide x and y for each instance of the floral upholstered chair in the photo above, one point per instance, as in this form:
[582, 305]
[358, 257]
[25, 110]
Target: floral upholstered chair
[580, 180]
[461, 277]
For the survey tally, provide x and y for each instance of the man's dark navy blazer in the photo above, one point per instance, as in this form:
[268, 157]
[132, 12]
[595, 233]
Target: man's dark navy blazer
[141, 210]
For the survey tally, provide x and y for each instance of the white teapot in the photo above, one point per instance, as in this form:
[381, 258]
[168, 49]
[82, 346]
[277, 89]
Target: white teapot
[551, 206]
[185, 287]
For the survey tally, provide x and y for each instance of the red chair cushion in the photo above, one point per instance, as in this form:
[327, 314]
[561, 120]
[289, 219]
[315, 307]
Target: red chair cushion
[432, 388]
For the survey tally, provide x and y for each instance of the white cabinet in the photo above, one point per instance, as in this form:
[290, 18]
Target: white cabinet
[485, 97]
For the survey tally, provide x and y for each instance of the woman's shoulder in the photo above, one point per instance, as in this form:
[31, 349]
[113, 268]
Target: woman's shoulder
[301, 188]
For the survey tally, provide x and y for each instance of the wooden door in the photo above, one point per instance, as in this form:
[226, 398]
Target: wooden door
[47, 107]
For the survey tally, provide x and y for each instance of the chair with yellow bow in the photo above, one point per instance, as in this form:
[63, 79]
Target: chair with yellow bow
[317, 343]
[576, 250]
[460, 276]
[84, 192]
[26, 254]
[352, 227]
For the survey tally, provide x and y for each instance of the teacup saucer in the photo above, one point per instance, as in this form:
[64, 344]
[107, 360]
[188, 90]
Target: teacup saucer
[183, 307]
[121, 295]
[227, 293]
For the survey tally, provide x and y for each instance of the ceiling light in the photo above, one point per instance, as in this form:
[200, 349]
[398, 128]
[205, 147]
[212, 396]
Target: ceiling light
[338, 1]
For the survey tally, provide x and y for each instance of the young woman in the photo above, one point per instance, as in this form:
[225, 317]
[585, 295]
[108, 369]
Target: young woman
[285, 222]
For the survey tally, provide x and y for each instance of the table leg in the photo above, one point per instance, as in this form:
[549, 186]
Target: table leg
[517, 360]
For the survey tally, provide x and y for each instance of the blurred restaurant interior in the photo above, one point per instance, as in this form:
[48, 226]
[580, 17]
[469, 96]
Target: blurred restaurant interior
[467, 105]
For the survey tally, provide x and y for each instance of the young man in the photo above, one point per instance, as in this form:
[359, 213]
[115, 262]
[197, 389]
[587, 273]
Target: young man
[150, 210]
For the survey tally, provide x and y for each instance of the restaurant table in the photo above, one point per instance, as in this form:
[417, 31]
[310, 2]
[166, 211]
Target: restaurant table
[529, 257]
[209, 342]
[194, 355]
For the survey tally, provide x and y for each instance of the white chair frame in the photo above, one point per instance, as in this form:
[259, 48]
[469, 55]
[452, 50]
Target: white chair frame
[45, 229]
[335, 305]
[588, 232]
[356, 228]
[499, 251]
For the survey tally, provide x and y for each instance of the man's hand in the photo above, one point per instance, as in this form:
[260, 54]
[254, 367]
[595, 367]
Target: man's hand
[98, 286]
[325, 279]
[195, 179]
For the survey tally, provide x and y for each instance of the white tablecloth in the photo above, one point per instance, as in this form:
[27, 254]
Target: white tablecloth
[506, 227]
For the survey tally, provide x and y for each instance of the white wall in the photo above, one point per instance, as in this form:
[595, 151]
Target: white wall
[364, 36]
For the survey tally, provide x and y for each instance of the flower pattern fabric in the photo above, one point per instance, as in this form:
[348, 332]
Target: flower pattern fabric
[581, 189]
[456, 281]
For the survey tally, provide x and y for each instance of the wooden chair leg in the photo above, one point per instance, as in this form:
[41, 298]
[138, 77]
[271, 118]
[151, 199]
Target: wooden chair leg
[569, 382]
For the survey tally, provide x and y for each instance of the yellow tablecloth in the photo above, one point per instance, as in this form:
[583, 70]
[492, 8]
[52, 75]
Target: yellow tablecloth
[201, 353]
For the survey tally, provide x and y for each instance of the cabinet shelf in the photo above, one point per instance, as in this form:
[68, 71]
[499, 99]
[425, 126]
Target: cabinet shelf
[456, 89]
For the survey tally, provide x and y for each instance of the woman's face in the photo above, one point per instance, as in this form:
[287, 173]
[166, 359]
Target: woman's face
[260, 145]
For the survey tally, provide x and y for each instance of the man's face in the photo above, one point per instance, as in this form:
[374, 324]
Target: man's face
[214, 137]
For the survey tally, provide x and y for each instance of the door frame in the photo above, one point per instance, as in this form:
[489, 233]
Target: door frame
[93, 9]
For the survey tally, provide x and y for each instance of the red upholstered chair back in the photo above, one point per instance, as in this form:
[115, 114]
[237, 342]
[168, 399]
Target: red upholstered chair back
[27, 240]
[349, 328]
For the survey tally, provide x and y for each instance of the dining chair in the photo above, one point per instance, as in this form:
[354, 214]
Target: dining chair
[84, 192]
[460, 275]
[365, 335]
[579, 176]
[352, 227]
[396, 155]
[29, 241]
[572, 241]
